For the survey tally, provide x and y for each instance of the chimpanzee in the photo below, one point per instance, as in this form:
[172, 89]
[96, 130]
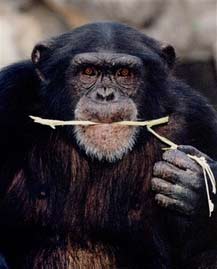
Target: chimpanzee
[104, 196]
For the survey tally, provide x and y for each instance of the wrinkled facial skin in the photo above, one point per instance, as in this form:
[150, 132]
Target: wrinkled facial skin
[106, 84]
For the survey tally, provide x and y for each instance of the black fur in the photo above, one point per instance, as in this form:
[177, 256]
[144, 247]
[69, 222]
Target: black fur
[56, 202]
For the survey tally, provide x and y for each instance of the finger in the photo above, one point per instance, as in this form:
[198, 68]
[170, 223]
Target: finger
[173, 204]
[193, 151]
[173, 174]
[181, 160]
[173, 190]
[167, 171]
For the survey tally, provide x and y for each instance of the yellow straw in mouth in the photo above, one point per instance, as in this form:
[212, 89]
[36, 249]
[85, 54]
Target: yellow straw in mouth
[54, 123]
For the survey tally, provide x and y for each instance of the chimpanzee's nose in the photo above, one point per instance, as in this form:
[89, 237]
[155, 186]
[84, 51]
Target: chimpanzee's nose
[105, 95]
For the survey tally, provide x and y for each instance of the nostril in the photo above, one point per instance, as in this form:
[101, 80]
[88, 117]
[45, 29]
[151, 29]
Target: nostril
[100, 97]
[103, 95]
[110, 97]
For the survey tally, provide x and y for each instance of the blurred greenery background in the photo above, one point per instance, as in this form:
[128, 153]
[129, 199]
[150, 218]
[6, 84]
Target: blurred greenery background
[189, 25]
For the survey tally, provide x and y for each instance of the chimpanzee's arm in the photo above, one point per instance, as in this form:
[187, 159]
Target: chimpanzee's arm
[18, 84]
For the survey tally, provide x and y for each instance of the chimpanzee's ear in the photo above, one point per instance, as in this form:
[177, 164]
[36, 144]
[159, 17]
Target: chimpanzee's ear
[40, 53]
[169, 55]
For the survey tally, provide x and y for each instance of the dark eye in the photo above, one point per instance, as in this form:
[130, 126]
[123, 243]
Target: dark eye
[88, 76]
[125, 76]
[124, 72]
[89, 71]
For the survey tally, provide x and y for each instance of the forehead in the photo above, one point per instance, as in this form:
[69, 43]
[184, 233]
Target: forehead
[97, 37]
[106, 58]
[105, 42]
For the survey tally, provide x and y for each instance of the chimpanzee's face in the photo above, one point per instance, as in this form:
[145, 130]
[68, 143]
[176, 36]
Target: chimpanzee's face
[102, 72]
[106, 84]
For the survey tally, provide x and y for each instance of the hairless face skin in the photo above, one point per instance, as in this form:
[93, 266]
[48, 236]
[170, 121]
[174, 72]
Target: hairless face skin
[107, 82]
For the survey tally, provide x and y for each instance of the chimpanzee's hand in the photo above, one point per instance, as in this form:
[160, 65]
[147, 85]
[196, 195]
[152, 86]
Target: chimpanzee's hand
[179, 182]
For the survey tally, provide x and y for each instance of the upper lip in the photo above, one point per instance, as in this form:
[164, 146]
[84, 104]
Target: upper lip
[106, 120]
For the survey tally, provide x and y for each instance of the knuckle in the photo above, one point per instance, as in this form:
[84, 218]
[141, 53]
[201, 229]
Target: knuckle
[170, 154]
[158, 167]
[195, 167]
[154, 180]
[154, 183]
[197, 181]
[167, 153]
[163, 200]
[161, 165]
[158, 164]
[198, 184]
[161, 185]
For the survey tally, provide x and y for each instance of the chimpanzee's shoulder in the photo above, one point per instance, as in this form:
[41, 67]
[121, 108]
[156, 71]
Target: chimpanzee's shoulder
[198, 113]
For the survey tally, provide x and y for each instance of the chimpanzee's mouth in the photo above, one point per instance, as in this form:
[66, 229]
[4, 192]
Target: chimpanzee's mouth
[106, 140]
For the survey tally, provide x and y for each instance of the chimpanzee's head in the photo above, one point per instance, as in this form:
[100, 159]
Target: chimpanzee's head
[102, 72]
